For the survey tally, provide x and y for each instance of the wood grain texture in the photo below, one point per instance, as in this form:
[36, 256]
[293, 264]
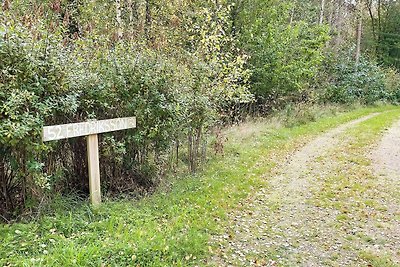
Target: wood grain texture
[94, 169]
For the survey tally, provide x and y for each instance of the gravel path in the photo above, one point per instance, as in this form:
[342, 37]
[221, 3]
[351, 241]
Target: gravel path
[281, 227]
[386, 156]
[386, 167]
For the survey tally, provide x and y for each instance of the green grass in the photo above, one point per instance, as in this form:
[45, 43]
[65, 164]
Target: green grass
[170, 228]
[377, 260]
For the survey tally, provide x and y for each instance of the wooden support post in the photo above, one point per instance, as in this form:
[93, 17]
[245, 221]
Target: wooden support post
[94, 169]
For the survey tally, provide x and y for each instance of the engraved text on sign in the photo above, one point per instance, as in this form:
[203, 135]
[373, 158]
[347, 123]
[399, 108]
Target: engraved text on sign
[64, 131]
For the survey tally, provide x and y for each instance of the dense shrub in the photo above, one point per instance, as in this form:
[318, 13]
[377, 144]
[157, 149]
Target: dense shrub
[366, 82]
[33, 88]
[392, 84]
[45, 82]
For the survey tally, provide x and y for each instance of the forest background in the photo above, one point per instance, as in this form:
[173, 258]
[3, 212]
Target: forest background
[184, 69]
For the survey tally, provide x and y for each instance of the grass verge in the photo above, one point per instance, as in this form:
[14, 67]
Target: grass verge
[169, 228]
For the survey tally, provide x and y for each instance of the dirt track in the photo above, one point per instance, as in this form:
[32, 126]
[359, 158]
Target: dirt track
[386, 157]
[285, 226]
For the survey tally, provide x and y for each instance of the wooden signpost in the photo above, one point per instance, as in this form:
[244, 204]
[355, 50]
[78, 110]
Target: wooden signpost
[89, 129]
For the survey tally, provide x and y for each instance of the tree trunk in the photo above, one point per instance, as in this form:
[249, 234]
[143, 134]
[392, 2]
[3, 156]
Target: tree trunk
[331, 15]
[197, 147]
[322, 11]
[379, 16]
[148, 21]
[119, 19]
[339, 23]
[190, 150]
[141, 18]
[359, 36]
[130, 12]
[379, 30]
[292, 14]
[371, 15]
[177, 152]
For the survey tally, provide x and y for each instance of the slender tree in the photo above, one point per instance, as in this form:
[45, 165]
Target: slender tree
[119, 19]
[359, 36]
[322, 11]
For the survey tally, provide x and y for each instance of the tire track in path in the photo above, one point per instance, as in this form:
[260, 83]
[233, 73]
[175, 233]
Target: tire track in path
[386, 157]
[279, 223]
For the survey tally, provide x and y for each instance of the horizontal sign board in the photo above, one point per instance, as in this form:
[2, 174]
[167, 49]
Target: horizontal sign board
[64, 131]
